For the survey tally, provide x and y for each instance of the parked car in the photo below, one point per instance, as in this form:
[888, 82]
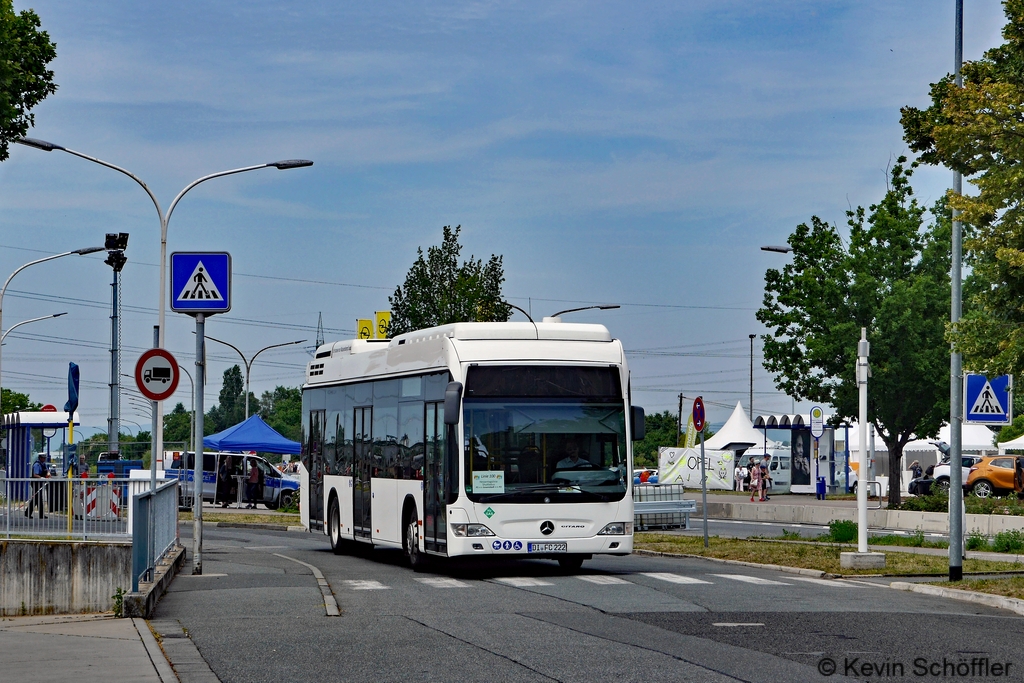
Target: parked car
[991, 476]
[941, 472]
[841, 480]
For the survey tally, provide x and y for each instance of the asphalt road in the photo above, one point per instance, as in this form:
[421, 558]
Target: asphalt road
[258, 616]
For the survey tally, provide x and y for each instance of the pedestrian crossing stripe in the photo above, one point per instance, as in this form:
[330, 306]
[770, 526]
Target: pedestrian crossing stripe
[987, 403]
[199, 286]
[674, 578]
[752, 579]
[598, 579]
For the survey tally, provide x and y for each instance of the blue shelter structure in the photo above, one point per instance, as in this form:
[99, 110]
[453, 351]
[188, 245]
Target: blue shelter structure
[26, 434]
[252, 435]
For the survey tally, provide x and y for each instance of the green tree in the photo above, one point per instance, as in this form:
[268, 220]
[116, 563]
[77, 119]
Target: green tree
[660, 430]
[177, 425]
[15, 401]
[438, 291]
[230, 410]
[978, 130]
[282, 410]
[893, 280]
[25, 81]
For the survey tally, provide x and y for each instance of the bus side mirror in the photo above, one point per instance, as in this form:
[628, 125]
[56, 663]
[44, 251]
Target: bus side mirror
[452, 403]
[636, 422]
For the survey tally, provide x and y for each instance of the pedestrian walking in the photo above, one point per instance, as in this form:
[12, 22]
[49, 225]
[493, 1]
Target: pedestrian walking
[755, 479]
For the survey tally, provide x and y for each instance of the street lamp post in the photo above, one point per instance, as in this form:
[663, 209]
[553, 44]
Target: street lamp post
[752, 376]
[158, 432]
[80, 252]
[248, 363]
[30, 320]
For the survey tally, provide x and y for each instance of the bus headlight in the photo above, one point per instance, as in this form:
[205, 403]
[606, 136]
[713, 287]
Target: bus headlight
[617, 529]
[471, 530]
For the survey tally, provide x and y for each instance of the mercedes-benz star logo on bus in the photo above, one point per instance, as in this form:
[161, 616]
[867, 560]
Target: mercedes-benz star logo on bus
[546, 528]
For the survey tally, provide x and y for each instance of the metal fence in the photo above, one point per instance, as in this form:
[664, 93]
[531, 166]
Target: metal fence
[659, 492]
[154, 529]
[38, 508]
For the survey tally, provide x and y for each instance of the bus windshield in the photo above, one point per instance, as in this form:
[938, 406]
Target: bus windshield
[544, 450]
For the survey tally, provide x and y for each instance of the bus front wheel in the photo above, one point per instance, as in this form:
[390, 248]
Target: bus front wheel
[412, 545]
[570, 563]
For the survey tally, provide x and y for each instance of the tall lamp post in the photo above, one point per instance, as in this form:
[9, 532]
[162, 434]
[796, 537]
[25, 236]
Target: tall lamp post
[115, 244]
[80, 252]
[158, 433]
[752, 376]
[30, 320]
[248, 363]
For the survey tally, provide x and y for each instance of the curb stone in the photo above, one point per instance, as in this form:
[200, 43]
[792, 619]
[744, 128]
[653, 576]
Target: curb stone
[1013, 604]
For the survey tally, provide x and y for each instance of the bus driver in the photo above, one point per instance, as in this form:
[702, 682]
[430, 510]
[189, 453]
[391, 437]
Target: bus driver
[572, 460]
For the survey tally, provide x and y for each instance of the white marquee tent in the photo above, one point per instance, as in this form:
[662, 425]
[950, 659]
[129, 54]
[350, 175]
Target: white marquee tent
[738, 433]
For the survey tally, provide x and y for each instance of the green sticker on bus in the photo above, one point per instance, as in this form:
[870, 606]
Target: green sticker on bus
[489, 512]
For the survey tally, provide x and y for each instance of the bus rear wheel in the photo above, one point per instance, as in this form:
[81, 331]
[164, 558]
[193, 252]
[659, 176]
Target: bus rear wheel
[417, 560]
[334, 527]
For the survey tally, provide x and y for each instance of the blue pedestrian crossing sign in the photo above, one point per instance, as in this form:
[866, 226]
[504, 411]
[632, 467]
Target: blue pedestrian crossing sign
[201, 282]
[988, 401]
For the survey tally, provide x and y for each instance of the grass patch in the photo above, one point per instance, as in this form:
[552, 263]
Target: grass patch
[914, 540]
[1010, 587]
[249, 518]
[821, 557]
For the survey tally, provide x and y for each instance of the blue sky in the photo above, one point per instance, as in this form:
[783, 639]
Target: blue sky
[611, 154]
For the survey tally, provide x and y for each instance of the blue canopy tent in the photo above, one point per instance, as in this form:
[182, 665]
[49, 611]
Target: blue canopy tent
[252, 435]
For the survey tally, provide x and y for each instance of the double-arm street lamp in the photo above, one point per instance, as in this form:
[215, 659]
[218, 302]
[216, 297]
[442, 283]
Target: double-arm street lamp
[248, 363]
[164, 220]
[80, 252]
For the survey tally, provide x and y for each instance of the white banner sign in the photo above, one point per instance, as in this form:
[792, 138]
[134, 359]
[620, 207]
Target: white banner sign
[682, 466]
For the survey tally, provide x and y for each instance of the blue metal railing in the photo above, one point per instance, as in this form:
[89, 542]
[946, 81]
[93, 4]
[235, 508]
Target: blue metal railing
[154, 529]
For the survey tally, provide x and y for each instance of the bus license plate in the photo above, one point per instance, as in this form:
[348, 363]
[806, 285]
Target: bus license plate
[547, 548]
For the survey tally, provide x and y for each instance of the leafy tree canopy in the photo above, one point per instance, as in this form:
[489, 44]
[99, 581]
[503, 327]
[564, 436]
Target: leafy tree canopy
[282, 410]
[660, 430]
[438, 291]
[15, 401]
[893, 280]
[25, 81]
[979, 130]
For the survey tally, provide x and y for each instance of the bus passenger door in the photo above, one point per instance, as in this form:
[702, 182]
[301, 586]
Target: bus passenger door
[362, 470]
[434, 518]
[316, 461]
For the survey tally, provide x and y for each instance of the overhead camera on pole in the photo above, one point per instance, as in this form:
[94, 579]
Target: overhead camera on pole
[115, 244]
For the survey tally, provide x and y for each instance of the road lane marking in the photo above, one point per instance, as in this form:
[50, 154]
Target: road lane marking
[822, 582]
[199, 576]
[752, 579]
[330, 604]
[674, 578]
[267, 547]
[603, 580]
[365, 585]
[733, 624]
[523, 581]
[442, 582]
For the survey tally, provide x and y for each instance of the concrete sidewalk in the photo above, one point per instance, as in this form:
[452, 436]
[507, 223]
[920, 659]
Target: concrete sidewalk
[81, 648]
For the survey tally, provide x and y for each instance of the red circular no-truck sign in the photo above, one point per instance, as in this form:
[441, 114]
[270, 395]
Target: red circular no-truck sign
[156, 374]
[698, 414]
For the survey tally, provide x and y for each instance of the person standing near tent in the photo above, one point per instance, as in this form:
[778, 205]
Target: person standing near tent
[39, 471]
[252, 488]
[224, 482]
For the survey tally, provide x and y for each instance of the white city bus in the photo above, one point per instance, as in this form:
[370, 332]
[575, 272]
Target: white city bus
[472, 439]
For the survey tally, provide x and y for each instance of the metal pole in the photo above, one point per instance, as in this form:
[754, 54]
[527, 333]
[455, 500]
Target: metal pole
[752, 377]
[679, 421]
[704, 488]
[113, 426]
[956, 393]
[197, 440]
[863, 350]
[154, 441]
